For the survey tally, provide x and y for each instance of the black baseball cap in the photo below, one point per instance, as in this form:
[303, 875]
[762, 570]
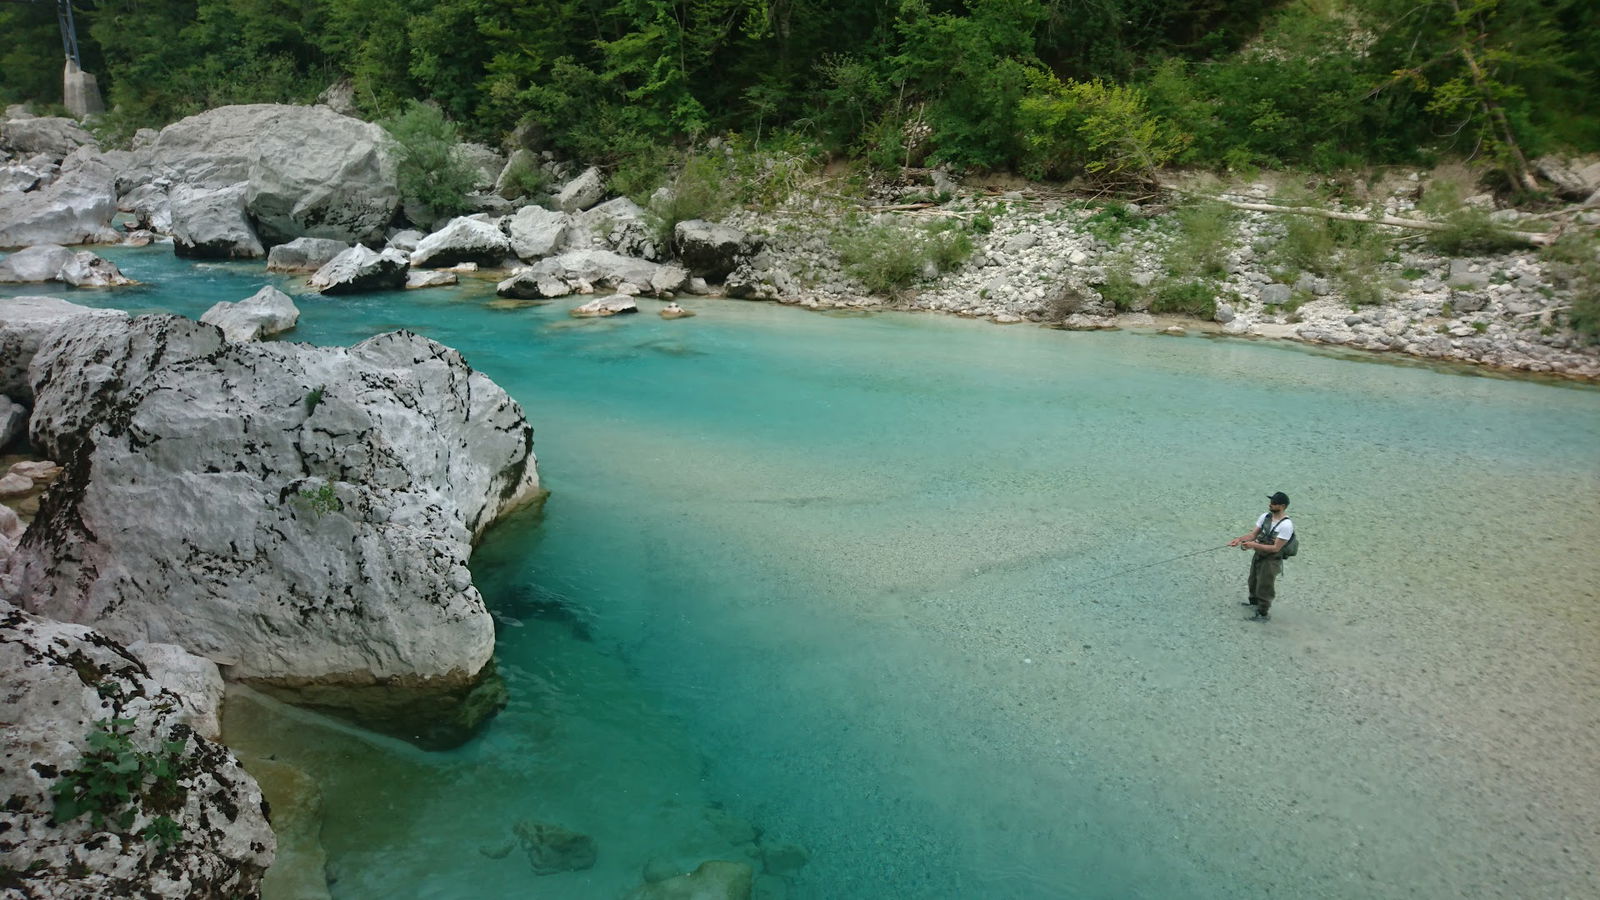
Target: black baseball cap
[1279, 497]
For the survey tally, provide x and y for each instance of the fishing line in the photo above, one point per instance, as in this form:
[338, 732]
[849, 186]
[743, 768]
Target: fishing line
[1161, 562]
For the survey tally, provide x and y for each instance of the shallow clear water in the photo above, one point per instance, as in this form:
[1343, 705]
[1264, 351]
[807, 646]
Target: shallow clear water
[896, 589]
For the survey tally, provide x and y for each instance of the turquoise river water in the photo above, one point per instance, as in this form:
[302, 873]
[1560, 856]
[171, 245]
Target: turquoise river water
[886, 593]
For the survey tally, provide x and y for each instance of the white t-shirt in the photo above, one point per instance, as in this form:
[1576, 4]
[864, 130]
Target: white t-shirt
[1284, 530]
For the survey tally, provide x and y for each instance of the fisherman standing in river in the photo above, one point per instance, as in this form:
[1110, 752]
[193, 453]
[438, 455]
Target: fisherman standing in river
[1273, 530]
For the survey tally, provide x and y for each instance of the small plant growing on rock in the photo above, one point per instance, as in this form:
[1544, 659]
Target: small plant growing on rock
[314, 397]
[319, 501]
[114, 779]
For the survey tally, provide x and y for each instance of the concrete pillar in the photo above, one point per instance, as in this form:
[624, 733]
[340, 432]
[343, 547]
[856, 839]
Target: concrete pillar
[80, 93]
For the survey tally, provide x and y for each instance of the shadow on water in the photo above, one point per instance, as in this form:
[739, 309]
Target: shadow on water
[520, 603]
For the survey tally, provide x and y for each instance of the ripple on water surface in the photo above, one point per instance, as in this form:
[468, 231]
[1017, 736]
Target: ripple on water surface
[894, 588]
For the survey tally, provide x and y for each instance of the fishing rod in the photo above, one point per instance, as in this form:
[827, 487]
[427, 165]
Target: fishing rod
[1160, 562]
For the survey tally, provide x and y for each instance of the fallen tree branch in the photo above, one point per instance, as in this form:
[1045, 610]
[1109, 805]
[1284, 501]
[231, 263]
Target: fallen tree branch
[1533, 238]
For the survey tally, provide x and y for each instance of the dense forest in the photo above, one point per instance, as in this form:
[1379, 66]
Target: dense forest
[1046, 88]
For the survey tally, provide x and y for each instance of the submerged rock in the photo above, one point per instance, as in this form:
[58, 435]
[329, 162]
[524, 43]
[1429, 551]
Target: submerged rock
[553, 849]
[715, 879]
[301, 515]
[617, 304]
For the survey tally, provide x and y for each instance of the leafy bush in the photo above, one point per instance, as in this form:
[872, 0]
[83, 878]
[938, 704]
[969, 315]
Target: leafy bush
[1307, 245]
[1189, 297]
[114, 780]
[1574, 263]
[429, 171]
[1112, 221]
[1120, 290]
[1205, 235]
[889, 257]
[1093, 128]
[1468, 229]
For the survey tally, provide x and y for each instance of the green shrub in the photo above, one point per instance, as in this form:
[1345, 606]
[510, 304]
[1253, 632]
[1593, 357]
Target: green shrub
[1205, 235]
[1119, 289]
[1307, 245]
[888, 257]
[1094, 128]
[1189, 297]
[114, 780]
[524, 178]
[1362, 254]
[1112, 221]
[1573, 262]
[698, 190]
[429, 171]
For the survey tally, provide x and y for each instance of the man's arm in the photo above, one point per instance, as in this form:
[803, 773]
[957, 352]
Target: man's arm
[1274, 547]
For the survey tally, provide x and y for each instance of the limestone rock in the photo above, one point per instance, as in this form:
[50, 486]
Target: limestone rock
[1574, 179]
[25, 322]
[616, 304]
[405, 241]
[85, 269]
[515, 173]
[13, 421]
[211, 223]
[715, 879]
[307, 254]
[54, 136]
[582, 192]
[485, 163]
[577, 271]
[60, 679]
[308, 171]
[674, 311]
[553, 849]
[267, 312]
[536, 232]
[18, 178]
[346, 485]
[427, 278]
[194, 679]
[34, 264]
[712, 251]
[14, 485]
[359, 269]
[75, 209]
[464, 239]
[618, 225]
[151, 206]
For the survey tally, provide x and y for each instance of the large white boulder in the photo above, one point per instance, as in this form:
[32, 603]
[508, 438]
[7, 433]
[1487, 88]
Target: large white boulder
[34, 264]
[212, 223]
[61, 683]
[309, 172]
[53, 262]
[710, 250]
[54, 136]
[464, 239]
[75, 209]
[582, 192]
[619, 224]
[573, 272]
[265, 313]
[304, 254]
[301, 515]
[360, 269]
[25, 323]
[536, 232]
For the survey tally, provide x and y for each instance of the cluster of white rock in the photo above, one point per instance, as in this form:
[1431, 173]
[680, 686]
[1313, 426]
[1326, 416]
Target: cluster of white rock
[1043, 262]
[295, 518]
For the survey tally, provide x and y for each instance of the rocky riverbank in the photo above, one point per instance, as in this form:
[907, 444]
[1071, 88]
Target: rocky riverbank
[1057, 261]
